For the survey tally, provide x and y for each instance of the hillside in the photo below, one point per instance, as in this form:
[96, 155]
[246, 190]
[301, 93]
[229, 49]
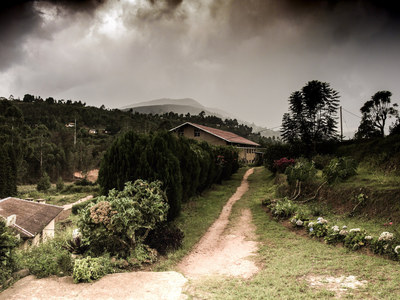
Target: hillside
[193, 107]
[42, 136]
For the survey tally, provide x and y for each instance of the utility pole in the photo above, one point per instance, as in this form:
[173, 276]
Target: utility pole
[75, 134]
[341, 125]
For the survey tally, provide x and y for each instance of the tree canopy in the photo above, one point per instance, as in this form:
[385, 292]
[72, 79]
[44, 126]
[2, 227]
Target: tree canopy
[375, 113]
[312, 114]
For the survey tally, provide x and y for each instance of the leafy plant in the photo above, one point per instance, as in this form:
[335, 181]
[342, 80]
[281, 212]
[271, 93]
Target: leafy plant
[90, 268]
[355, 239]
[59, 184]
[340, 169]
[302, 171]
[318, 228]
[44, 183]
[8, 244]
[48, 258]
[165, 237]
[283, 208]
[122, 220]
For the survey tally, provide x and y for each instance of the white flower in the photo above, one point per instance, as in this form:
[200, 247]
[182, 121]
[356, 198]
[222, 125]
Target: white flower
[76, 233]
[397, 249]
[344, 227]
[368, 237]
[294, 220]
[343, 232]
[355, 230]
[311, 224]
[385, 236]
[335, 228]
[299, 223]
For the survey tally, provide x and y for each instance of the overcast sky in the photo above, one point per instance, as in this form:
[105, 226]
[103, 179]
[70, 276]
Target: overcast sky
[243, 56]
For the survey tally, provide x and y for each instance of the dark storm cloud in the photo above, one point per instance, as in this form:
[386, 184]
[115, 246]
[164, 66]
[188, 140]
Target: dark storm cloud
[21, 19]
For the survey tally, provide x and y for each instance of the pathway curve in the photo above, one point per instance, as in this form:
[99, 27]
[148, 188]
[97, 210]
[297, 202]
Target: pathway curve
[222, 251]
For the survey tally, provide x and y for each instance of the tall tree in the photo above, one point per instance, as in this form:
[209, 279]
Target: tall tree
[312, 114]
[375, 112]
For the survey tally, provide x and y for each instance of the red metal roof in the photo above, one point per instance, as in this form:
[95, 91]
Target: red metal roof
[225, 135]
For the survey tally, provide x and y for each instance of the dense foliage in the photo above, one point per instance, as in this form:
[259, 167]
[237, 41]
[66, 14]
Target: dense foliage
[62, 136]
[184, 166]
[8, 244]
[119, 222]
[375, 112]
[340, 169]
[312, 114]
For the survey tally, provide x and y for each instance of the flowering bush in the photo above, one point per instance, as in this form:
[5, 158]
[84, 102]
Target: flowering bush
[283, 208]
[335, 235]
[280, 165]
[355, 239]
[386, 244]
[319, 228]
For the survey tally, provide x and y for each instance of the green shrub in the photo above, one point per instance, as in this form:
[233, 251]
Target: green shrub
[120, 221]
[59, 184]
[386, 244]
[48, 258]
[321, 161]
[318, 228]
[303, 171]
[165, 237]
[283, 208]
[44, 183]
[142, 254]
[340, 169]
[8, 244]
[90, 268]
[355, 239]
[335, 235]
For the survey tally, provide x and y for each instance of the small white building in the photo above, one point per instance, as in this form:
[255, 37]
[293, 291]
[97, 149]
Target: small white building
[33, 221]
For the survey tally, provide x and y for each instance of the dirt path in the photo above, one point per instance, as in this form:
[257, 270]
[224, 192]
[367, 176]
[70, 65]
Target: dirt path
[135, 285]
[221, 251]
[224, 253]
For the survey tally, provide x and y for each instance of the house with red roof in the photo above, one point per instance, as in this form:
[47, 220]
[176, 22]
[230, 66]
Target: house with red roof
[248, 150]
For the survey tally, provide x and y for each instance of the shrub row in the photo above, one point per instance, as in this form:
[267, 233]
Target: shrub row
[386, 243]
[185, 167]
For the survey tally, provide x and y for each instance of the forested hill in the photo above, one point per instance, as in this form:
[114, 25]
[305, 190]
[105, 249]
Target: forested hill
[38, 134]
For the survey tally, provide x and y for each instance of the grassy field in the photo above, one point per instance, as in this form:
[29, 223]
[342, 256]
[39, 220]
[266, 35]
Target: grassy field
[199, 214]
[289, 260]
[69, 194]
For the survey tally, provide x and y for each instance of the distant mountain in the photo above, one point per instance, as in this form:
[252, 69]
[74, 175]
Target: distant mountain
[188, 105]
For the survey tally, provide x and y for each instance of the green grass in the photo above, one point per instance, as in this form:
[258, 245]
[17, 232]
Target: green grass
[199, 214]
[69, 194]
[367, 177]
[287, 258]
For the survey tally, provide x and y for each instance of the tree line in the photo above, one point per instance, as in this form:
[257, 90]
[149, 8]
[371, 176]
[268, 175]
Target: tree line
[36, 141]
[184, 166]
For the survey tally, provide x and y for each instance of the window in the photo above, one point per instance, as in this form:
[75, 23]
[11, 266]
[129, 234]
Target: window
[180, 131]
[196, 132]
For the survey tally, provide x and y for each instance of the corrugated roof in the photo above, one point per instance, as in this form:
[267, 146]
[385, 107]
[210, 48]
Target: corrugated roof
[225, 135]
[32, 217]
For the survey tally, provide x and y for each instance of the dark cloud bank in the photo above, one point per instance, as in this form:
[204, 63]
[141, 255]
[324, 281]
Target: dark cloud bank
[255, 49]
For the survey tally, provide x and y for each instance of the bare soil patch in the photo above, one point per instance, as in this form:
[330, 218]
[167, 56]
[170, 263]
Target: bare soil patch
[221, 251]
[338, 285]
[91, 176]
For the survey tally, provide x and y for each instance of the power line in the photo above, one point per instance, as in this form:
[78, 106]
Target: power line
[352, 113]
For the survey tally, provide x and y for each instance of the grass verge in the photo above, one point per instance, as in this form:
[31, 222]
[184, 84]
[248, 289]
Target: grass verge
[198, 215]
[289, 259]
